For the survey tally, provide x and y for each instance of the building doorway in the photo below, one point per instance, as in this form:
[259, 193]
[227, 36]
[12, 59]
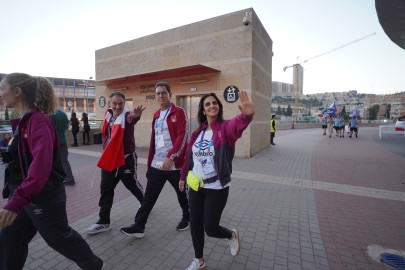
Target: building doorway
[190, 105]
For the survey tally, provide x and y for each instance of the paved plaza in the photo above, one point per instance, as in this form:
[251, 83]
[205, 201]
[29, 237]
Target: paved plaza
[310, 202]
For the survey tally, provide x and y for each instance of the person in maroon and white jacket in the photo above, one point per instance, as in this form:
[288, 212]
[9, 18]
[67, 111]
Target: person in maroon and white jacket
[166, 157]
[209, 155]
[37, 199]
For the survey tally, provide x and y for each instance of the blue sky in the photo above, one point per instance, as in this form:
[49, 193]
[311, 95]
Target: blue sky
[59, 39]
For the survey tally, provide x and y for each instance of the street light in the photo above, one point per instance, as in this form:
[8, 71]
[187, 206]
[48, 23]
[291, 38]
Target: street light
[86, 89]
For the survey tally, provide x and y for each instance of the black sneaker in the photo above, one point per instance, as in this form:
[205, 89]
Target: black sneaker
[135, 230]
[183, 225]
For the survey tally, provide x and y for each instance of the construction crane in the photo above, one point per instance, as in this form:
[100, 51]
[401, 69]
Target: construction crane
[298, 65]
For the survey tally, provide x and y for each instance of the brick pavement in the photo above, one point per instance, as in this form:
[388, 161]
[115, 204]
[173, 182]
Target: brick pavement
[310, 202]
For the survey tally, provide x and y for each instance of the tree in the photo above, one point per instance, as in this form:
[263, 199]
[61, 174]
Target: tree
[373, 111]
[283, 111]
[288, 111]
[279, 110]
[6, 115]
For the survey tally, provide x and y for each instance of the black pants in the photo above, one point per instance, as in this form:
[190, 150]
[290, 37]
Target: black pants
[272, 135]
[86, 133]
[74, 133]
[109, 180]
[50, 220]
[206, 208]
[156, 181]
[65, 163]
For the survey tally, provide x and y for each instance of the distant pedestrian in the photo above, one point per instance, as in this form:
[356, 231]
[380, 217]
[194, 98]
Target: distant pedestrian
[119, 161]
[272, 129]
[354, 126]
[62, 124]
[324, 124]
[166, 157]
[330, 126]
[74, 122]
[336, 125]
[4, 143]
[37, 200]
[86, 128]
[208, 160]
[342, 126]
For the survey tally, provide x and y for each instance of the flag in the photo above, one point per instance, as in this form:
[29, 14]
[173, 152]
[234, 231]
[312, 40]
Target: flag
[332, 109]
[113, 154]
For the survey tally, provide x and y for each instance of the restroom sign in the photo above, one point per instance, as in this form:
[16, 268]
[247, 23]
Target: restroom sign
[231, 94]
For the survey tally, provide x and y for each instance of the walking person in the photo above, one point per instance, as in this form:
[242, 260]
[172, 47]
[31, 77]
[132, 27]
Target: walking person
[209, 158]
[37, 200]
[324, 124]
[74, 122]
[6, 140]
[330, 126]
[272, 129]
[61, 122]
[354, 125]
[118, 161]
[86, 128]
[166, 157]
[342, 126]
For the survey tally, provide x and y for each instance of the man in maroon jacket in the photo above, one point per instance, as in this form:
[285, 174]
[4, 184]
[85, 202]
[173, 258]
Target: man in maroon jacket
[166, 156]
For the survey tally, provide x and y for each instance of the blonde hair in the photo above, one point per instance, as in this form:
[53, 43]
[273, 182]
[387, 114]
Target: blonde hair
[38, 91]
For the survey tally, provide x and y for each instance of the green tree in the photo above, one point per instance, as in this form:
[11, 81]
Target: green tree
[6, 115]
[279, 110]
[283, 111]
[288, 111]
[373, 111]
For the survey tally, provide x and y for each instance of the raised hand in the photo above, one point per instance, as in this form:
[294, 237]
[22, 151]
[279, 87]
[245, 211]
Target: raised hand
[138, 111]
[246, 106]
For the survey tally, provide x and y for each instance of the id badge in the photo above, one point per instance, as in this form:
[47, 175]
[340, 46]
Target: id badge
[159, 165]
[207, 165]
[160, 142]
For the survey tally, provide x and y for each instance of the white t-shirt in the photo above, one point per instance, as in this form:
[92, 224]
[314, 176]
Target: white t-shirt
[163, 143]
[203, 158]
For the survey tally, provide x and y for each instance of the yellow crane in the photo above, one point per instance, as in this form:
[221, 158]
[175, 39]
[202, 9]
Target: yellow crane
[298, 70]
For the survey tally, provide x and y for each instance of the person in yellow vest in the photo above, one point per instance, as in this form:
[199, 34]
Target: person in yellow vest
[272, 128]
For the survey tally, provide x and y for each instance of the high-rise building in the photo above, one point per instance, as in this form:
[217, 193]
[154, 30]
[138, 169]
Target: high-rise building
[298, 78]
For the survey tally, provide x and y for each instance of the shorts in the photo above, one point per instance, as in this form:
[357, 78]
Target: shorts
[324, 126]
[336, 128]
[353, 129]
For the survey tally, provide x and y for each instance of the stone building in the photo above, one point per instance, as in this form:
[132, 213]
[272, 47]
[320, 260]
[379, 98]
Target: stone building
[220, 55]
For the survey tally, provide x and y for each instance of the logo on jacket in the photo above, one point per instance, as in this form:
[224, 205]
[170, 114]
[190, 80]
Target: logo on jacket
[219, 134]
[37, 211]
[173, 119]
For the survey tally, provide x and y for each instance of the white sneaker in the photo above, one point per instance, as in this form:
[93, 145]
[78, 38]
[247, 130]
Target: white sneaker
[234, 243]
[196, 265]
[98, 228]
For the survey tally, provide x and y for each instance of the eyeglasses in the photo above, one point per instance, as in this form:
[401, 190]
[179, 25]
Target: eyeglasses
[162, 93]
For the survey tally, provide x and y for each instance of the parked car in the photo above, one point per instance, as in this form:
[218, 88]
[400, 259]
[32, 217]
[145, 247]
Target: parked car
[400, 124]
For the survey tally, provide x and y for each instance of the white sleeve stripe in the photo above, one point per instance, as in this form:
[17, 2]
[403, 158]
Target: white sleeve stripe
[183, 143]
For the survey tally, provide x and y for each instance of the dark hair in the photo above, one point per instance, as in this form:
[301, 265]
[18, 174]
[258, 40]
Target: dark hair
[117, 94]
[38, 91]
[165, 84]
[201, 117]
[73, 115]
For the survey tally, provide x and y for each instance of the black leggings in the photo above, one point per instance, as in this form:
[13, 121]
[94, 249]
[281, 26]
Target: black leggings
[206, 208]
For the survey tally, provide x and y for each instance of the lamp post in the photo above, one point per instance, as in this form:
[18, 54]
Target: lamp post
[86, 90]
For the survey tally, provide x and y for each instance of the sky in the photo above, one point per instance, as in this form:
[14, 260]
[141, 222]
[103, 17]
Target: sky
[59, 38]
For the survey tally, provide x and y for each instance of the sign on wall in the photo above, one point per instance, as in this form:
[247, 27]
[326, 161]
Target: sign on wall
[231, 94]
[101, 101]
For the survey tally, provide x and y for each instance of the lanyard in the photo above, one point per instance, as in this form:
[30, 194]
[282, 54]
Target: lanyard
[201, 141]
[164, 118]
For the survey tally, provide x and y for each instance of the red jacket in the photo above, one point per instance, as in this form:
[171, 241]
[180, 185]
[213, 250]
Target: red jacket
[177, 125]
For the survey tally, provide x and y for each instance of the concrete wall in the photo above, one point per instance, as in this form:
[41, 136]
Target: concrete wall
[242, 53]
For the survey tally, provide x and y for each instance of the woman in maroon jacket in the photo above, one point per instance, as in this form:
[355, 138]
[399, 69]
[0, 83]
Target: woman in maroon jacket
[209, 156]
[38, 199]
